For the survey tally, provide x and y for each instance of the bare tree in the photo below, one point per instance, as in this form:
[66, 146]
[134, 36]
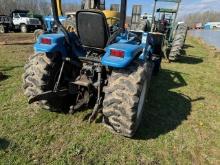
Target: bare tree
[35, 6]
[202, 17]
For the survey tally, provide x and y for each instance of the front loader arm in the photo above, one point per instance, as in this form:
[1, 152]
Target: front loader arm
[59, 7]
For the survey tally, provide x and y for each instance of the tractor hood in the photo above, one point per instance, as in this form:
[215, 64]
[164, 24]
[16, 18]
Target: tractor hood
[50, 18]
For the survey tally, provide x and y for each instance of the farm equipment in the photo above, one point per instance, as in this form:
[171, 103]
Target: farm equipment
[108, 72]
[141, 26]
[18, 20]
[175, 33]
[5, 23]
[48, 21]
[112, 15]
[68, 20]
[49, 25]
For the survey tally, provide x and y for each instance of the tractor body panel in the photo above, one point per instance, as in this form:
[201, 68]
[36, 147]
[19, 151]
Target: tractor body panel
[147, 51]
[130, 48]
[130, 52]
[56, 43]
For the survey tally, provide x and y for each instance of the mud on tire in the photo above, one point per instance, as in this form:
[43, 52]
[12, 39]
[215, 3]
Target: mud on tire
[39, 77]
[125, 96]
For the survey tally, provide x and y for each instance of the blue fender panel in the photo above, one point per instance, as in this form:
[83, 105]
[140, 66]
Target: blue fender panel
[130, 53]
[147, 52]
[57, 44]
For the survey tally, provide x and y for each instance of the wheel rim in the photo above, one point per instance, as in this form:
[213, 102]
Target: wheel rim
[141, 101]
[1, 29]
[23, 29]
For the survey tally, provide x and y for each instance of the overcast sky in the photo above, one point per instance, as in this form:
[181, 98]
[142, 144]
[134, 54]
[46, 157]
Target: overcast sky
[187, 6]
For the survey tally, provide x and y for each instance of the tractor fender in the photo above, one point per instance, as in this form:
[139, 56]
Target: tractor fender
[56, 43]
[130, 53]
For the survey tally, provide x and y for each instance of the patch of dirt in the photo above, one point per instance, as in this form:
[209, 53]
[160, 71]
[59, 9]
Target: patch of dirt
[16, 38]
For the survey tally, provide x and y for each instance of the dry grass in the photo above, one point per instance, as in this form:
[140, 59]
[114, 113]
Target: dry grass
[180, 126]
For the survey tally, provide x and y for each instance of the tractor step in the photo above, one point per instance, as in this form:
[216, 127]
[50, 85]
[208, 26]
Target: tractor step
[82, 81]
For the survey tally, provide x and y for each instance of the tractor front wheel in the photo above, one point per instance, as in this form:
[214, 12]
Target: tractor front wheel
[178, 42]
[37, 33]
[125, 98]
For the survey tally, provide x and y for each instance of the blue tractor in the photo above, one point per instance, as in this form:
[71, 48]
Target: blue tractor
[49, 23]
[108, 72]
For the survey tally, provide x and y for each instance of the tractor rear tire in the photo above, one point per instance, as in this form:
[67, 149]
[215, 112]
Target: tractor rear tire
[178, 42]
[183, 31]
[125, 97]
[40, 76]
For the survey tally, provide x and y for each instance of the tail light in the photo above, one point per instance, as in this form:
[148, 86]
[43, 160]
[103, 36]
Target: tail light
[117, 53]
[46, 41]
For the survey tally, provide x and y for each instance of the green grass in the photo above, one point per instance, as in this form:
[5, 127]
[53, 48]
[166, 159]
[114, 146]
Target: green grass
[180, 125]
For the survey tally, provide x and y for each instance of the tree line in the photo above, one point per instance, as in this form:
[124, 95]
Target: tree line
[42, 7]
[202, 17]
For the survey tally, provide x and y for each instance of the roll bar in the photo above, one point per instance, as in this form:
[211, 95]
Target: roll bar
[154, 10]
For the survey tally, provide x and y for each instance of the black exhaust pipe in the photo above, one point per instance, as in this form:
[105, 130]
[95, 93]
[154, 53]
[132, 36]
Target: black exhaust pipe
[123, 14]
[73, 45]
[57, 21]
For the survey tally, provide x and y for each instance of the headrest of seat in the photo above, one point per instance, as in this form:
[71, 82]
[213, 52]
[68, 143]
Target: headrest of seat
[92, 28]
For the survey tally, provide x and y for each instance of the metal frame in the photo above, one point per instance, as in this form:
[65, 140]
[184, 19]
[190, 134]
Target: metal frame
[176, 1]
[164, 10]
[154, 11]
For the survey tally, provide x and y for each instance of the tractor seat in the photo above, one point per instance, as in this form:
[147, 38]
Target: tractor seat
[92, 29]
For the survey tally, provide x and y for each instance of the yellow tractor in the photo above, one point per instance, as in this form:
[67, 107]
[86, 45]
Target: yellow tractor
[69, 22]
[111, 15]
